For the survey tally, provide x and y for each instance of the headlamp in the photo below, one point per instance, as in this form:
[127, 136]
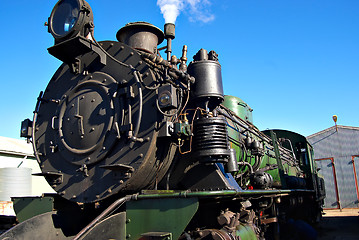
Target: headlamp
[70, 18]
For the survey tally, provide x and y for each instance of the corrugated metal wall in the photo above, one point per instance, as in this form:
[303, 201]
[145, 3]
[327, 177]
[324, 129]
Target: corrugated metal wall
[335, 149]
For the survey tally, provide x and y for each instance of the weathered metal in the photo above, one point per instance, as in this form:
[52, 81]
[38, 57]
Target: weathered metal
[139, 148]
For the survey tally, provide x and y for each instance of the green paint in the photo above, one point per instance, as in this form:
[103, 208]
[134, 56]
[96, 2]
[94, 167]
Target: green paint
[28, 207]
[279, 161]
[164, 215]
[239, 107]
[246, 232]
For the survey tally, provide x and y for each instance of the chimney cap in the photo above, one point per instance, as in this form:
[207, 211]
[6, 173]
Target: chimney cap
[144, 26]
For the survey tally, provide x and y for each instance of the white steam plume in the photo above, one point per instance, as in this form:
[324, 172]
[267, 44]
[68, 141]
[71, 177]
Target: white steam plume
[197, 10]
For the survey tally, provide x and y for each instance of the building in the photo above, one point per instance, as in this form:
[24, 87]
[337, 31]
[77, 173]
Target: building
[17, 166]
[336, 151]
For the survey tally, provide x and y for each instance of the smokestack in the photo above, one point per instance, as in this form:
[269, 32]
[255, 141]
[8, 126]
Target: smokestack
[141, 35]
[169, 35]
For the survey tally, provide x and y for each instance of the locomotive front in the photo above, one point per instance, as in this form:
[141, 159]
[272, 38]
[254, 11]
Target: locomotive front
[110, 119]
[119, 124]
[95, 130]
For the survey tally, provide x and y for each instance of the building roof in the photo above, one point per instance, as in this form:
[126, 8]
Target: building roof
[335, 142]
[332, 128]
[15, 147]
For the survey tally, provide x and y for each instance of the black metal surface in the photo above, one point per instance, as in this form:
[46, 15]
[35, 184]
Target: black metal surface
[261, 180]
[92, 123]
[69, 51]
[204, 177]
[210, 141]
[39, 227]
[141, 35]
[113, 227]
[208, 77]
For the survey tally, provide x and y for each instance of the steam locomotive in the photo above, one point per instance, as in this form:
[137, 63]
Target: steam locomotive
[141, 147]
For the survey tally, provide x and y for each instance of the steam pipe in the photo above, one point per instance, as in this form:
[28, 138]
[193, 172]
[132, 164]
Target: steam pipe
[169, 49]
[115, 205]
[169, 35]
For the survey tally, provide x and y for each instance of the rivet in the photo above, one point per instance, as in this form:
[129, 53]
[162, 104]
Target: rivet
[109, 190]
[141, 155]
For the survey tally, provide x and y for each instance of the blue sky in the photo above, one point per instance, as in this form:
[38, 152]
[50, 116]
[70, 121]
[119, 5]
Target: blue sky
[295, 62]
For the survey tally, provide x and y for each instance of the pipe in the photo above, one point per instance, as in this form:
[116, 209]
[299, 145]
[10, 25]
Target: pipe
[140, 106]
[106, 212]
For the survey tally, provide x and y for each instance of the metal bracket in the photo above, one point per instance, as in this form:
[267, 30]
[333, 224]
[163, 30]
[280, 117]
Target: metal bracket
[51, 177]
[156, 236]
